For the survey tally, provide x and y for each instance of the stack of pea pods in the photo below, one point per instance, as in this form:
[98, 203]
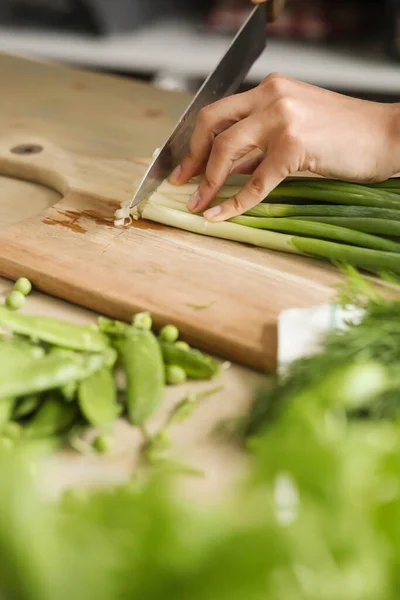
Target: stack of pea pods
[58, 379]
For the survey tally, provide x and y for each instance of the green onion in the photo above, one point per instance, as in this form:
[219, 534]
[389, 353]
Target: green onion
[349, 194]
[371, 260]
[321, 210]
[391, 185]
[344, 222]
[320, 230]
[367, 225]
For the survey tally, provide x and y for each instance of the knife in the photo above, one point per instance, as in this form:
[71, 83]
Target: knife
[223, 81]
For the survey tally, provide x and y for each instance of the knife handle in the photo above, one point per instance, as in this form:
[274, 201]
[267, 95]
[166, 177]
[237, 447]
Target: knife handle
[274, 8]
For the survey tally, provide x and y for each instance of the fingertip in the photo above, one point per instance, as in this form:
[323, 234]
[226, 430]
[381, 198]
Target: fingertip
[183, 172]
[193, 202]
[176, 175]
[214, 214]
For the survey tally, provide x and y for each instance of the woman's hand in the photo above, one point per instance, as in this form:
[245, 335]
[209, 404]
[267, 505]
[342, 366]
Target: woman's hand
[295, 127]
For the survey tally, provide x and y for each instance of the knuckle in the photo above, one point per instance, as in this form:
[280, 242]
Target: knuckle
[238, 204]
[221, 144]
[286, 109]
[276, 82]
[205, 116]
[256, 186]
[291, 138]
[211, 180]
[273, 76]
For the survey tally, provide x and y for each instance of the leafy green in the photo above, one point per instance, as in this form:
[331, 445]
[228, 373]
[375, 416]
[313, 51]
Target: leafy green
[317, 517]
[375, 338]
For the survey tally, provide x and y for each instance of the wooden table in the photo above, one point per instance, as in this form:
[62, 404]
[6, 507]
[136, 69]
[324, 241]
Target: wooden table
[192, 441]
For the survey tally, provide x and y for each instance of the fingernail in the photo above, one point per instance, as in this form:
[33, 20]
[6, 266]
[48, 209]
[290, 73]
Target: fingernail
[175, 175]
[194, 201]
[213, 212]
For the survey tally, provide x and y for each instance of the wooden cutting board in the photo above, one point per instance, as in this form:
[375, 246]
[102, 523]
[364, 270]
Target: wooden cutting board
[86, 136]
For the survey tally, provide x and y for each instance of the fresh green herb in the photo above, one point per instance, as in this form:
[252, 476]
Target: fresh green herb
[375, 340]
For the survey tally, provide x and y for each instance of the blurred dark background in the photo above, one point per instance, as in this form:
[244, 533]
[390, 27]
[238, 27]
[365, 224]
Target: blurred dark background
[352, 46]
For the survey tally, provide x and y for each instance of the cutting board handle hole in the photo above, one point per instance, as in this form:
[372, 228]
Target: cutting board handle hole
[27, 149]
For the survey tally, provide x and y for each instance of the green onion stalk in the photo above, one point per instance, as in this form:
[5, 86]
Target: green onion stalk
[168, 206]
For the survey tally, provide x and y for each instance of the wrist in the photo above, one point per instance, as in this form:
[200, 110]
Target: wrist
[394, 137]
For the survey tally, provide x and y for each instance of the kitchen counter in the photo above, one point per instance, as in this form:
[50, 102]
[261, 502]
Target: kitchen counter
[193, 442]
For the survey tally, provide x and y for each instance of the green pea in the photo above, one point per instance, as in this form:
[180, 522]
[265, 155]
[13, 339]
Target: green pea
[175, 375]
[15, 300]
[102, 444]
[23, 285]
[169, 333]
[143, 321]
[182, 345]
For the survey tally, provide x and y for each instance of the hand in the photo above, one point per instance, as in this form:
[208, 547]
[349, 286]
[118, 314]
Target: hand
[295, 127]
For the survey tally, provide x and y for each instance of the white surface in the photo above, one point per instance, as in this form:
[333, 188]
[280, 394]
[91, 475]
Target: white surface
[301, 331]
[178, 48]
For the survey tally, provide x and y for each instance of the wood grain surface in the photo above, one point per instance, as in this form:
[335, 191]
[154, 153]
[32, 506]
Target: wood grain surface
[86, 137]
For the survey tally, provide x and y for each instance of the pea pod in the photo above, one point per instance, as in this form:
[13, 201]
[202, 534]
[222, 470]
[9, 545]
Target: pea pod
[60, 333]
[53, 418]
[143, 365]
[113, 328]
[25, 344]
[97, 398]
[51, 371]
[26, 406]
[195, 364]
[17, 352]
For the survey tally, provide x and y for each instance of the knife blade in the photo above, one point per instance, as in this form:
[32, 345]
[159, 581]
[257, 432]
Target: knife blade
[223, 81]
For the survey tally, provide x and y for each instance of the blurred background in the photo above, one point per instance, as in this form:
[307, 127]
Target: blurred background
[351, 46]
